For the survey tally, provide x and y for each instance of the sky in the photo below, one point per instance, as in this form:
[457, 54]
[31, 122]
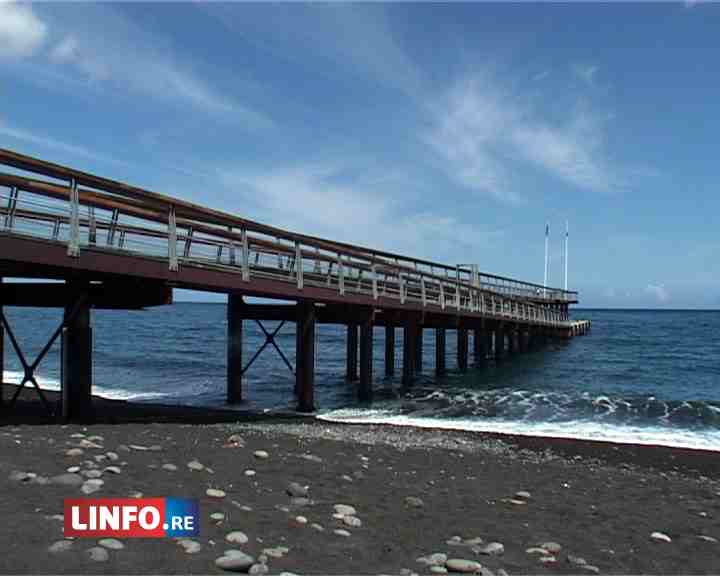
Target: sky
[450, 132]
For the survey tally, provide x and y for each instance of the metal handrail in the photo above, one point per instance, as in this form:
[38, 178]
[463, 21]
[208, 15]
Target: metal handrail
[86, 214]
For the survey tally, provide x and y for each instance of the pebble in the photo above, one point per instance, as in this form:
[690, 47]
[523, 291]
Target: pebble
[69, 479]
[138, 447]
[346, 478]
[660, 537]
[297, 490]
[112, 456]
[590, 568]
[88, 488]
[236, 537]
[344, 510]
[492, 549]
[536, 550]
[100, 457]
[318, 527]
[96, 438]
[312, 458]
[236, 441]
[548, 559]
[515, 501]
[195, 465]
[123, 448]
[92, 473]
[171, 467]
[88, 444]
[577, 560]
[437, 559]
[217, 516]
[414, 502]
[261, 454]
[707, 538]
[215, 493]
[523, 494]
[352, 521]
[74, 452]
[341, 532]
[235, 561]
[300, 501]
[111, 544]
[113, 469]
[73, 469]
[190, 546]
[461, 565]
[249, 472]
[551, 547]
[60, 546]
[258, 569]
[301, 519]
[77, 435]
[277, 552]
[438, 569]
[98, 554]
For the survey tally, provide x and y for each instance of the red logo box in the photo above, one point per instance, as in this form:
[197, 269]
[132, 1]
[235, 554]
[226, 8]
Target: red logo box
[116, 517]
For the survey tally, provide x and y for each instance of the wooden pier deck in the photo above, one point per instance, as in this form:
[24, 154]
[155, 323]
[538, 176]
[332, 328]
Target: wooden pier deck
[118, 246]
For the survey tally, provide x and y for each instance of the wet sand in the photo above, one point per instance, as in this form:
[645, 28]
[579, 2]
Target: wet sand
[600, 502]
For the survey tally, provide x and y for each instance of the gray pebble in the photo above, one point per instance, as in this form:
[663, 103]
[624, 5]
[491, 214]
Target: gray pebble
[297, 490]
[111, 544]
[235, 561]
[69, 479]
[98, 554]
[60, 546]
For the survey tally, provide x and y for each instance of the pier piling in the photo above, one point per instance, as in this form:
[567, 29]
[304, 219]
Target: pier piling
[499, 342]
[352, 352]
[366, 356]
[419, 350]
[409, 347]
[389, 350]
[235, 307]
[305, 356]
[77, 358]
[462, 349]
[440, 351]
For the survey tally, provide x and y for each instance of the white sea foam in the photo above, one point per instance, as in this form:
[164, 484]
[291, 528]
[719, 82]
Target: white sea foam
[45, 383]
[580, 429]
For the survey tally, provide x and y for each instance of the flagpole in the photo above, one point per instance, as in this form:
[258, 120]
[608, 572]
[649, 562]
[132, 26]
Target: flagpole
[567, 240]
[547, 234]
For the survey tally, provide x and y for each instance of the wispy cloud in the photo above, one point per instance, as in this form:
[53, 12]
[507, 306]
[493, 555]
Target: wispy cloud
[585, 72]
[21, 31]
[314, 199]
[658, 292]
[46, 142]
[485, 132]
[98, 45]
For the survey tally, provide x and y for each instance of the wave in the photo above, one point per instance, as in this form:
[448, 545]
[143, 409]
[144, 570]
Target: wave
[578, 429]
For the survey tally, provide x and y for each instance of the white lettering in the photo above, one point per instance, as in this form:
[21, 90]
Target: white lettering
[109, 518]
[75, 519]
[129, 515]
[149, 511]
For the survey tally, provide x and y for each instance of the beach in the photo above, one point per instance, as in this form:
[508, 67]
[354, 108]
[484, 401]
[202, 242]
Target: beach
[515, 504]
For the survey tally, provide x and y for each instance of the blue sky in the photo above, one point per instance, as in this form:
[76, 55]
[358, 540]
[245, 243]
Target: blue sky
[450, 132]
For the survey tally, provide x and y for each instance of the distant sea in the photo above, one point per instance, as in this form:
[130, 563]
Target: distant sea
[641, 376]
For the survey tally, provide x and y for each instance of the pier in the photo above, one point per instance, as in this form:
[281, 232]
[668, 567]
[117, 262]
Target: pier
[90, 242]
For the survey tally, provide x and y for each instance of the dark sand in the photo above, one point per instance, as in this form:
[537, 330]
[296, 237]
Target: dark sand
[599, 501]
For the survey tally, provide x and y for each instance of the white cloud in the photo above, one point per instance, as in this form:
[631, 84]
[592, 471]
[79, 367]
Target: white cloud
[485, 134]
[586, 72]
[659, 292]
[21, 31]
[319, 200]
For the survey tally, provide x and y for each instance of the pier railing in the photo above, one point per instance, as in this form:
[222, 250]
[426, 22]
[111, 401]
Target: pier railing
[87, 212]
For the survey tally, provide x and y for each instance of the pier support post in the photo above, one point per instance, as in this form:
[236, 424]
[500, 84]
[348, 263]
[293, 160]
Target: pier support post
[77, 358]
[389, 350]
[305, 356]
[511, 332]
[440, 351]
[462, 349]
[479, 347]
[489, 341]
[499, 342]
[419, 350]
[366, 357]
[235, 307]
[409, 347]
[352, 351]
[2, 355]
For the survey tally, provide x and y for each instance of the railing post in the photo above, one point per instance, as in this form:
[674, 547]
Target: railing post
[457, 287]
[12, 206]
[422, 288]
[245, 255]
[92, 226]
[401, 285]
[74, 238]
[374, 282]
[298, 265]
[188, 243]
[442, 295]
[341, 275]
[112, 227]
[172, 240]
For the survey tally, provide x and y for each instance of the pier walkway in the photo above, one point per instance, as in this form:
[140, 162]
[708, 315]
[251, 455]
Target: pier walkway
[118, 246]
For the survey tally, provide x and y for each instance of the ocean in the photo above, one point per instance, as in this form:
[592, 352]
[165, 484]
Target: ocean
[640, 376]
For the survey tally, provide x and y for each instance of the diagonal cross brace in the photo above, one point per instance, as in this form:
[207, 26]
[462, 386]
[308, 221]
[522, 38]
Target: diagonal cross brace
[29, 368]
[269, 339]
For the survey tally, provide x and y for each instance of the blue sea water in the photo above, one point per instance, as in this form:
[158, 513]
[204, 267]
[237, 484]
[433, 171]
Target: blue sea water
[642, 376]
